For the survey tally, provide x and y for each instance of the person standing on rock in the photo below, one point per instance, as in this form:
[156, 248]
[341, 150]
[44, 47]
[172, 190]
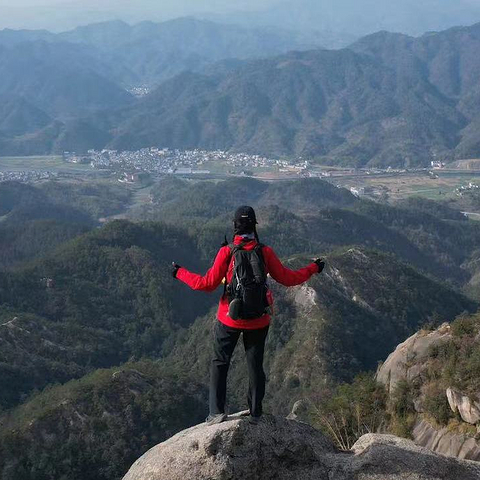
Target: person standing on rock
[244, 307]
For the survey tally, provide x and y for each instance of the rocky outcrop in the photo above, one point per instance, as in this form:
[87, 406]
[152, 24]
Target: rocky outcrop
[405, 363]
[444, 441]
[468, 409]
[306, 297]
[410, 361]
[281, 449]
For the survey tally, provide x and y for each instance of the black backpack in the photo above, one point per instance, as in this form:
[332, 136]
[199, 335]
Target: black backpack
[247, 292]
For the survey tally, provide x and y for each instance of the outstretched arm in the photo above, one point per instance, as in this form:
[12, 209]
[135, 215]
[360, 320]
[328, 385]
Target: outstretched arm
[284, 275]
[212, 279]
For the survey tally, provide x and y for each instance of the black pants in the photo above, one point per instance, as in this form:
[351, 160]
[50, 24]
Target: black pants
[225, 340]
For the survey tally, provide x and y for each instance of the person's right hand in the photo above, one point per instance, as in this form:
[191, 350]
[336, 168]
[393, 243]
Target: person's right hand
[320, 263]
[175, 268]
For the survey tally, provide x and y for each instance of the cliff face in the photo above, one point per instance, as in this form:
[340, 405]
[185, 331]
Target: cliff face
[447, 417]
[407, 362]
[283, 449]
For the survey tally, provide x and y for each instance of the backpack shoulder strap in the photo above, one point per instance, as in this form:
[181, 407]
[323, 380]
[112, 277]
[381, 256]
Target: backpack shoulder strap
[233, 250]
[259, 249]
[259, 265]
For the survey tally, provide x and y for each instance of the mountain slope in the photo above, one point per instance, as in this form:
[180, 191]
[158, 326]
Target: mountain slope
[59, 78]
[156, 51]
[36, 219]
[113, 287]
[341, 323]
[320, 217]
[335, 105]
[448, 60]
[388, 100]
[147, 53]
[97, 426]
[18, 117]
[326, 330]
[436, 371]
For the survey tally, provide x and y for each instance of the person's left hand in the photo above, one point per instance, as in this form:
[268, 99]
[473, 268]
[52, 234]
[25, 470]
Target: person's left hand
[175, 268]
[320, 263]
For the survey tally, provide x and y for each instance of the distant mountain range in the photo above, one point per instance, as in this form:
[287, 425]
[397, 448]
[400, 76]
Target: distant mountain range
[346, 17]
[148, 53]
[361, 17]
[389, 99]
[52, 80]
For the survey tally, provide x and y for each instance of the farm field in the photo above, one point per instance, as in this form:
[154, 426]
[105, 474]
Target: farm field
[437, 185]
[402, 186]
[43, 163]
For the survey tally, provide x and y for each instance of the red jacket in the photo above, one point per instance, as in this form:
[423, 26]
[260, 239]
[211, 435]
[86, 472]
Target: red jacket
[223, 262]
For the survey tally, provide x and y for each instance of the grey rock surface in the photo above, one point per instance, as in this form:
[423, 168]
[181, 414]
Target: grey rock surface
[405, 363]
[409, 362]
[443, 441]
[469, 409]
[284, 449]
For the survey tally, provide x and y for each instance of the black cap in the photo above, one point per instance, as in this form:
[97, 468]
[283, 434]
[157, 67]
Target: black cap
[245, 213]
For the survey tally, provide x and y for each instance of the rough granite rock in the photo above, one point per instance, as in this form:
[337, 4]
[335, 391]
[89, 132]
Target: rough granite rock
[281, 449]
[442, 440]
[405, 363]
[468, 409]
[408, 362]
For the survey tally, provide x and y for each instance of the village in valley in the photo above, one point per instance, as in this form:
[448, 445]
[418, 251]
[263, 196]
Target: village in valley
[165, 161]
[27, 176]
[141, 168]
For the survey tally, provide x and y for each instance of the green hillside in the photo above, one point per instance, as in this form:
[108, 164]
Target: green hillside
[311, 215]
[324, 332]
[330, 330]
[112, 286]
[78, 299]
[311, 104]
[34, 220]
[96, 427]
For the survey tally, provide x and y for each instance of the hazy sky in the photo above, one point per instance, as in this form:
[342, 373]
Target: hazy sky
[63, 14]
[191, 4]
[357, 17]
[29, 3]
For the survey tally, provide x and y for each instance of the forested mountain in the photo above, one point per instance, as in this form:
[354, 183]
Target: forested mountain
[321, 217]
[113, 287]
[83, 298]
[48, 82]
[390, 99]
[43, 84]
[331, 328]
[361, 106]
[153, 52]
[448, 60]
[35, 220]
[147, 53]
[60, 78]
[19, 117]
[344, 18]
[325, 331]
[128, 408]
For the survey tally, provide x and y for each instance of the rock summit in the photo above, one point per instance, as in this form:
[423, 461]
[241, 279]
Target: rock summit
[281, 449]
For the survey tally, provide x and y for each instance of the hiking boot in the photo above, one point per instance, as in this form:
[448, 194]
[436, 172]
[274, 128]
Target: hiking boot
[254, 420]
[217, 418]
